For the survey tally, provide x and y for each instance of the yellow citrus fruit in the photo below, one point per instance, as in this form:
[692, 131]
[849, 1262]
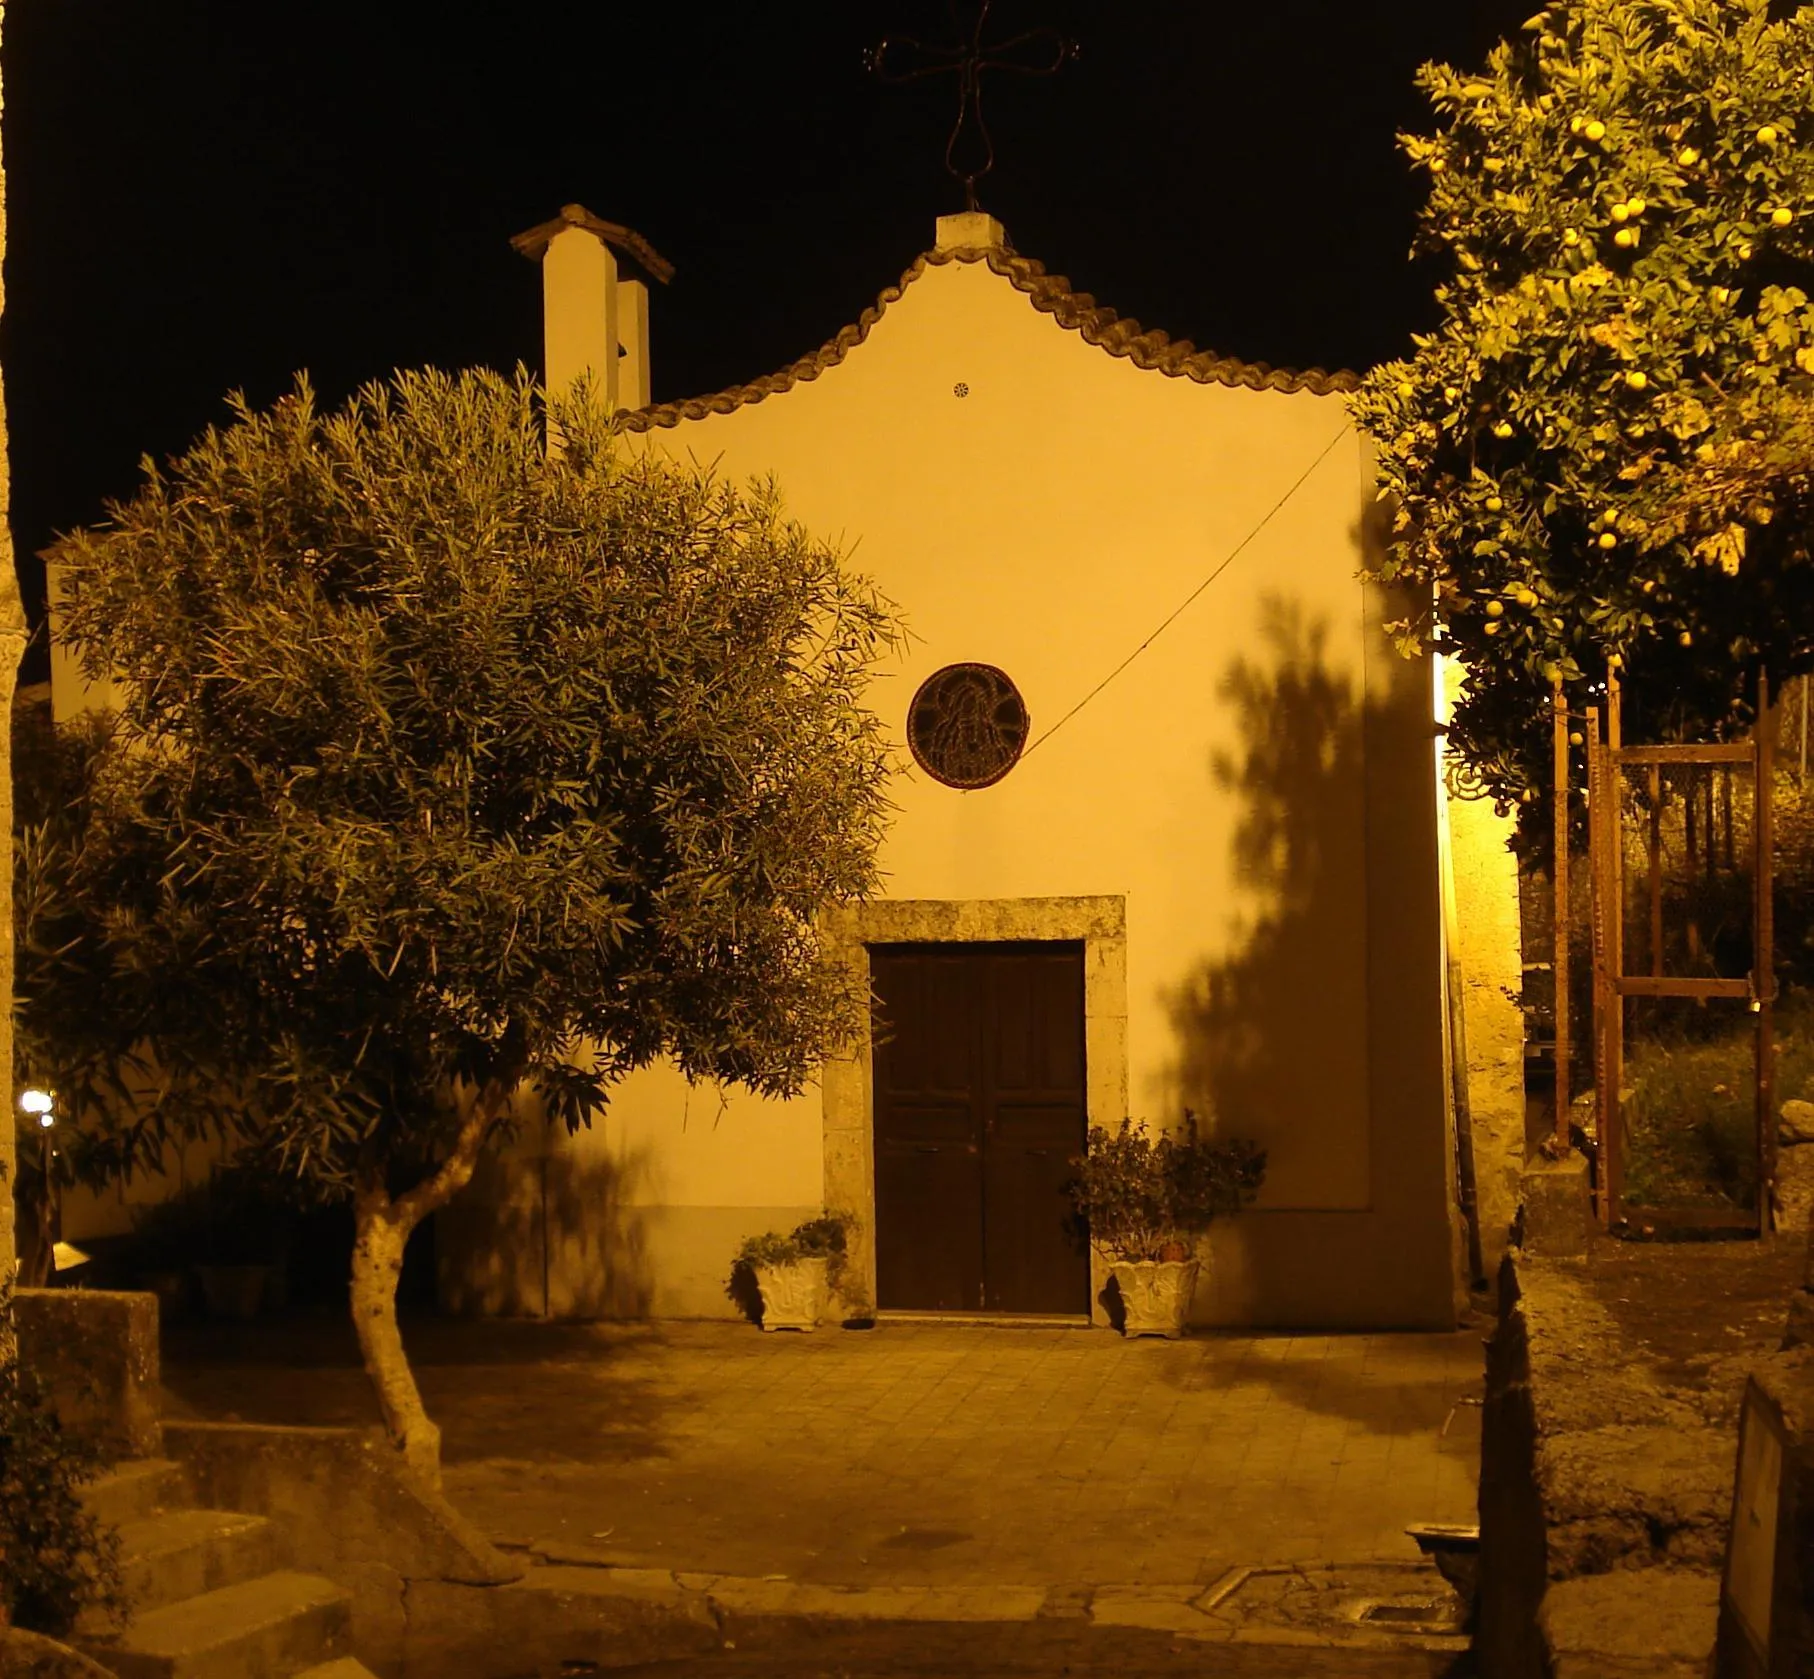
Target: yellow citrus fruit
[1782, 217]
[1406, 388]
[1608, 540]
[1570, 236]
[1437, 166]
[1575, 737]
[1744, 253]
[1636, 206]
[1766, 135]
[1450, 393]
[1637, 379]
[1495, 609]
[1527, 597]
[1625, 238]
[1494, 504]
[1503, 429]
[1621, 212]
[1688, 157]
[1686, 638]
[1719, 294]
[1595, 130]
[1490, 626]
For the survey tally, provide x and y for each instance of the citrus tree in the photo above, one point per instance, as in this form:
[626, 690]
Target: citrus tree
[1589, 456]
[445, 767]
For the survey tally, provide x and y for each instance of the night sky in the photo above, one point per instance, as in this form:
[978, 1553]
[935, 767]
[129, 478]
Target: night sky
[211, 194]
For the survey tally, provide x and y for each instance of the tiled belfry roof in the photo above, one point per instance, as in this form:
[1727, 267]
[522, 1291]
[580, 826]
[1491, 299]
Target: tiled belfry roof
[1051, 293]
[626, 239]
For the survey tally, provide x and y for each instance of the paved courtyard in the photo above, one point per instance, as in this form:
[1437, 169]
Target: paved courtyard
[911, 1454]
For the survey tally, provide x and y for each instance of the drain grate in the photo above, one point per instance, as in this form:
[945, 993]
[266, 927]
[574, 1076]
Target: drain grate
[1436, 1613]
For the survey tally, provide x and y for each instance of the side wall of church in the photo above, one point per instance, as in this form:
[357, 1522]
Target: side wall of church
[1492, 966]
[1257, 787]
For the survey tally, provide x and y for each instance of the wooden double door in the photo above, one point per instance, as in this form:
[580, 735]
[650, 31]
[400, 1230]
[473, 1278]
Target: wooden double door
[979, 1111]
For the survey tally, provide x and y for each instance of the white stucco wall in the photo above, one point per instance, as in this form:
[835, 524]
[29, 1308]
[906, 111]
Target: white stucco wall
[1258, 785]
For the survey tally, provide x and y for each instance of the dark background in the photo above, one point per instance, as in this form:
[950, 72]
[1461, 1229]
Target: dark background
[207, 195]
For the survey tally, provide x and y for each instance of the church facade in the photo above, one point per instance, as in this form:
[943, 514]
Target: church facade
[1169, 832]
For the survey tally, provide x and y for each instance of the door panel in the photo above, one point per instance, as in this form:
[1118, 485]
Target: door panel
[979, 1107]
[929, 1217]
[1032, 1262]
[1033, 1081]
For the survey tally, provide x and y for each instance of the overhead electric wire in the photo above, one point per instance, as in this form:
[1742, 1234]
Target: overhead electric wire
[1184, 605]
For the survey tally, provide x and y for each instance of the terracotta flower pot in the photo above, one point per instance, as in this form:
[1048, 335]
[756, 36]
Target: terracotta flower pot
[1155, 1294]
[793, 1296]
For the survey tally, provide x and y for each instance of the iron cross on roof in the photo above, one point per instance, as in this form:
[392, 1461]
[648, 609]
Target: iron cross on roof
[904, 58]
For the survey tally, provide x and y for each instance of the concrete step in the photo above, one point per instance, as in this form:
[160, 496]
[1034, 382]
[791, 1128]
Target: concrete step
[137, 1488]
[273, 1627]
[346, 1667]
[183, 1553]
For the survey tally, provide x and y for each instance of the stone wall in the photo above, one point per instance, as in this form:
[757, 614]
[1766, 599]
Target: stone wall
[348, 1510]
[1604, 1497]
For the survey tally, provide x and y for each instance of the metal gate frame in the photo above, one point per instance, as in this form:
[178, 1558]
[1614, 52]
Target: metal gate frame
[1612, 984]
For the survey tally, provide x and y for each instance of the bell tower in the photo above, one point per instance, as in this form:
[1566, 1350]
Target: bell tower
[595, 321]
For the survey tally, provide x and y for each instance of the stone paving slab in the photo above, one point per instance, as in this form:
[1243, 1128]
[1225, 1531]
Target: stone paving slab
[925, 1454]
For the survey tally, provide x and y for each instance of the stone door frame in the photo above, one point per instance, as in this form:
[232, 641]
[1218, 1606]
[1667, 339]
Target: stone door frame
[848, 1083]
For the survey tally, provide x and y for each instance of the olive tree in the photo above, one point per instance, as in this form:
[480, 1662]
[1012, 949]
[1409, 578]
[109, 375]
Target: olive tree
[447, 766]
[1623, 205]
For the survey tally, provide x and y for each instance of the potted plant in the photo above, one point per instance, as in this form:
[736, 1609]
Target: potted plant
[1148, 1202]
[785, 1278]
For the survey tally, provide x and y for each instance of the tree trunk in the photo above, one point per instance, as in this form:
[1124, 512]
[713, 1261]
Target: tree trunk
[381, 1229]
[379, 1237]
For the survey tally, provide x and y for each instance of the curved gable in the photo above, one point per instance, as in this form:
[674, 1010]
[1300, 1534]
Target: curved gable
[1077, 311]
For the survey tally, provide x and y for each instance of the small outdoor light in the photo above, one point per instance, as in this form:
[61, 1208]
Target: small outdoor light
[40, 1105]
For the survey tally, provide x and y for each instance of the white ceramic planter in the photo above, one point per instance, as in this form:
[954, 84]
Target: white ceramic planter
[1155, 1294]
[793, 1296]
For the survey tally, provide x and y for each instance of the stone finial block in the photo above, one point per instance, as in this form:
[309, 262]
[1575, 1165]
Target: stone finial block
[96, 1351]
[1557, 1214]
[973, 230]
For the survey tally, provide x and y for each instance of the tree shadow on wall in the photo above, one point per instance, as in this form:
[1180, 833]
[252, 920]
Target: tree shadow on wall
[553, 1233]
[1250, 1043]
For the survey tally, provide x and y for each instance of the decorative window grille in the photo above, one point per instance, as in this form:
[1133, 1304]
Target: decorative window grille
[967, 725]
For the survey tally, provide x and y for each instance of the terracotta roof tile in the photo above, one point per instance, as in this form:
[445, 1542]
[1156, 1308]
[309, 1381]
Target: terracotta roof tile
[1052, 293]
[626, 239]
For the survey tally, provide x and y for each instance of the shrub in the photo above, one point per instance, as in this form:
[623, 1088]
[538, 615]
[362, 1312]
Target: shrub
[1141, 1197]
[817, 1238]
[825, 1237]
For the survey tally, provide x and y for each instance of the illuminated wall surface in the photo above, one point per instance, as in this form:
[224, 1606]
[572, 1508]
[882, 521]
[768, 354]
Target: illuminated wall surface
[1257, 788]
[1255, 793]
